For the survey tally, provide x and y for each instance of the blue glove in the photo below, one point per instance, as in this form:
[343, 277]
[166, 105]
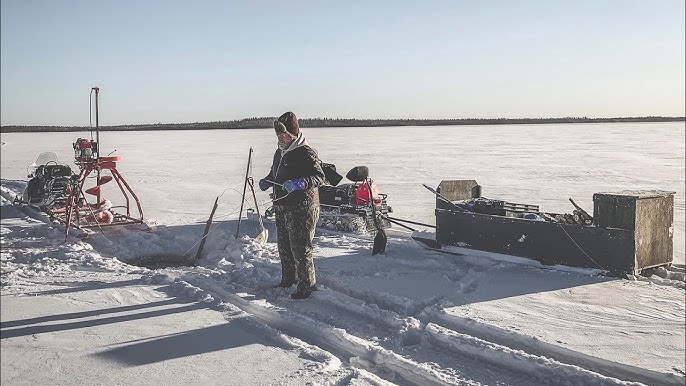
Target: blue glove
[264, 184]
[294, 184]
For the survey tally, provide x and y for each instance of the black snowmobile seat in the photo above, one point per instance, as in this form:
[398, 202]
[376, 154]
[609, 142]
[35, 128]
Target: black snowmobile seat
[358, 174]
[55, 171]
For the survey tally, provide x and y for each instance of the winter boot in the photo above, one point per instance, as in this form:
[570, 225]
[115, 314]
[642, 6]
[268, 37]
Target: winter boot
[303, 293]
[286, 283]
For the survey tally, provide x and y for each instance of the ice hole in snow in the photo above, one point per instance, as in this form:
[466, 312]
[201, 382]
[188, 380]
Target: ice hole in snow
[162, 261]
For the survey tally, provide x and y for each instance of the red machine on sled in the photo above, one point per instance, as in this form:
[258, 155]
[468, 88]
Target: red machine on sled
[360, 199]
[350, 206]
[56, 190]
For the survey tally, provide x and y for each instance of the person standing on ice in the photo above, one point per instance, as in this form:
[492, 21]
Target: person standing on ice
[295, 176]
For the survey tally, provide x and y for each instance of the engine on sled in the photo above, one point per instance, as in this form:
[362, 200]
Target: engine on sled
[49, 184]
[350, 206]
[55, 190]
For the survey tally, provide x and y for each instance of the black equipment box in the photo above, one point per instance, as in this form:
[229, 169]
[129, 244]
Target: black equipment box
[648, 214]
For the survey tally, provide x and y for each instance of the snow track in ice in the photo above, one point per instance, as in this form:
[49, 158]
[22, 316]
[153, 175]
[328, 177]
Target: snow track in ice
[328, 320]
[357, 351]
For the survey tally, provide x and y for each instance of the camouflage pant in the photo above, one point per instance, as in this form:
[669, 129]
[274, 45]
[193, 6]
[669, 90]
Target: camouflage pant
[295, 230]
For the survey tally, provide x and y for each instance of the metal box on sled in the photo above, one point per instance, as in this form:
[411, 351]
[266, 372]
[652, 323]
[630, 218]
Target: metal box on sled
[630, 230]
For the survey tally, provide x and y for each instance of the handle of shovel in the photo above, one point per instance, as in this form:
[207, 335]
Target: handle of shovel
[432, 190]
[275, 183]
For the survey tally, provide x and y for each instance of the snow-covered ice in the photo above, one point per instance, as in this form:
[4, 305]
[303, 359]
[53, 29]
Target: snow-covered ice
[80, 312]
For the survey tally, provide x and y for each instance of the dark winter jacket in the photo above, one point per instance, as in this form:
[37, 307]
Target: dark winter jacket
[301, 162]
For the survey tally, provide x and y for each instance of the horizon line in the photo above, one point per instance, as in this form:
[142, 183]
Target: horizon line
[582, 118]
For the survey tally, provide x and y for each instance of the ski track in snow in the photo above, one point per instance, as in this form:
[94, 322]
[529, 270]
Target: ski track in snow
[389, 337]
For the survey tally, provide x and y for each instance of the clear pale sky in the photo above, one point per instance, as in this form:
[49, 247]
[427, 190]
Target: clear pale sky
[173, 61]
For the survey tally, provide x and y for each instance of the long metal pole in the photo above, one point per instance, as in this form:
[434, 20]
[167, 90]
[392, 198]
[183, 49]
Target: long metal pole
[245, 185]
[97, 126]
[97, 140]
[207, 229]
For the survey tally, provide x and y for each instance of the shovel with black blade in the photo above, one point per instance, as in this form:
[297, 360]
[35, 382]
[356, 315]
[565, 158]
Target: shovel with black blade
[380, 239]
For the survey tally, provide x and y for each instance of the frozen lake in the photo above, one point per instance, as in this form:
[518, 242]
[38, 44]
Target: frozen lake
[178, 174]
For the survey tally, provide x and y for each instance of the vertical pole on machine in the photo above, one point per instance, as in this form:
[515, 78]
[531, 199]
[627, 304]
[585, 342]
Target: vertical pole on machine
[245, 185]
[97, 123]
[97, 140]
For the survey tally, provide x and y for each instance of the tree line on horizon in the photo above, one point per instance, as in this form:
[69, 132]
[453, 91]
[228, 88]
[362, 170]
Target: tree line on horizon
[267, 122]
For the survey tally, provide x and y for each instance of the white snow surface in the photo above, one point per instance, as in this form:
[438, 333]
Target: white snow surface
[80, 312]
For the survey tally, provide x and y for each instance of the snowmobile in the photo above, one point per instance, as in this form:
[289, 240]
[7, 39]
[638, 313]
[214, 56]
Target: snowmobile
[355, 206]
[49, 185]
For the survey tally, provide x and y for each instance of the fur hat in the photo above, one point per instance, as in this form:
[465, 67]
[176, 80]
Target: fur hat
[287, 122]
